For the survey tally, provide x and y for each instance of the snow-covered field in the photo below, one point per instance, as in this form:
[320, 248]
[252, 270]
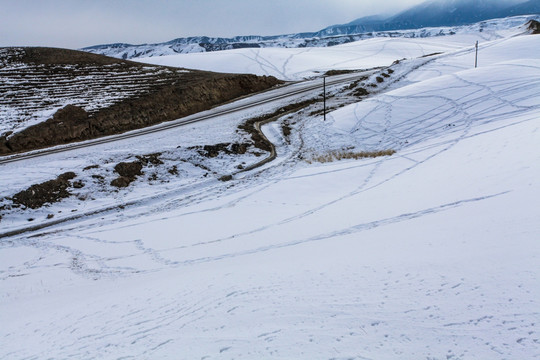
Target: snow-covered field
[486, 30]
[296, 64]
[431, 253]
[299, 63]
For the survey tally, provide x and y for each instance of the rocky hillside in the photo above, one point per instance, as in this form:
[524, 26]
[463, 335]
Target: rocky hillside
[56, 96]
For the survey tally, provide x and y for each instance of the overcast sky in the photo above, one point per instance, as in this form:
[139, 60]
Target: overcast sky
[79, 23]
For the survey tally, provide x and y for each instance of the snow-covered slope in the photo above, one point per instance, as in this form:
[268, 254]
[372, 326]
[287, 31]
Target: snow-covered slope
[34, 91]
[295, 64]
[331, 36]
[431, 253]
[438, 13]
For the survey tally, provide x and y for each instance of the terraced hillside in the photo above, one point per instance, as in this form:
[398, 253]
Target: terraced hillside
[55, 96]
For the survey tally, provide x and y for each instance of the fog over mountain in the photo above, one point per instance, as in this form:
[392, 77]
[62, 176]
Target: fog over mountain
[434, 13]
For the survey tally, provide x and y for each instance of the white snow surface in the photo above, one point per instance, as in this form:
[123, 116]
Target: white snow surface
[431, 253]
[297, 64]
[300, 63]
[486, 30]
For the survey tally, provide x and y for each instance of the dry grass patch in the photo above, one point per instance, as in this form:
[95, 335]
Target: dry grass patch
[340, 155]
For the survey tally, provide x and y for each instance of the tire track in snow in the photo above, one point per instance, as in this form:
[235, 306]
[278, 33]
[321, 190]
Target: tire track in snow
[348, 231]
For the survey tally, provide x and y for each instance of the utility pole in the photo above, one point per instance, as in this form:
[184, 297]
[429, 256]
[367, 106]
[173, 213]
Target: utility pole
[324, 97]
[476, 57]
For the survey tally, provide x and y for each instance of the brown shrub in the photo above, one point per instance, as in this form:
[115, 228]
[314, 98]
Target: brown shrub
[340, 155]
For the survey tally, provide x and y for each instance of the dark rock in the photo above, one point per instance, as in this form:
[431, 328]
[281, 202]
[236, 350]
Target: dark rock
[212, 151]
[122, 182]
[286, 128]
[361, 92]
[226, 178]
[45, 193]
[239, 149]
[129, 169]
[534, 27]
[67, 176]
[150, 159]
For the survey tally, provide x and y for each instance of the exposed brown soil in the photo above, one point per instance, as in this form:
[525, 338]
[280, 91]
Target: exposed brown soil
[173, 170]
[128, 172]
[47, 192]
[211, 151]
[286, 129]
[122, 181]
[258, 139]
[129, 169]
[167, 95]
[432, 54]
[360, 92]
[339, 72]
[150, 159]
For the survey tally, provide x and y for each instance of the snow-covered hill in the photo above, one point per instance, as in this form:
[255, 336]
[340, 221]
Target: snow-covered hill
[331, 36]
[431, 253]
[32, 91]
[294, 64]
[52, 96]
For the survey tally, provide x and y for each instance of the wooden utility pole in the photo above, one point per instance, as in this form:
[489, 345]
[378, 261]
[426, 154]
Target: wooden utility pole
[324, 97]
[476, 56]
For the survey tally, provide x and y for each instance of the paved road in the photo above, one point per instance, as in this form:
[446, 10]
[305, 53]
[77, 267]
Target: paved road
[288, 91]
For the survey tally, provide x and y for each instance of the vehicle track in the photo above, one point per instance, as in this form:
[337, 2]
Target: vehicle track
[315, 84]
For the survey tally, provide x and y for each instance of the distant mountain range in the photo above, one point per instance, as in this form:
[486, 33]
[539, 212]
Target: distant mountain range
[436, 13]
[432, 13]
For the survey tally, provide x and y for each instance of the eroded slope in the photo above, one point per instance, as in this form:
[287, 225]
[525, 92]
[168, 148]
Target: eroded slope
[55, 96]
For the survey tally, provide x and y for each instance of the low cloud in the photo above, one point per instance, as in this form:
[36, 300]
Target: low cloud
[76, 24]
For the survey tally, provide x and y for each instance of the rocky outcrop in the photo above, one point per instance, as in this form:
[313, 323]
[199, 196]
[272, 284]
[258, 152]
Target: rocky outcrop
[534, 27]
[128, 172]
